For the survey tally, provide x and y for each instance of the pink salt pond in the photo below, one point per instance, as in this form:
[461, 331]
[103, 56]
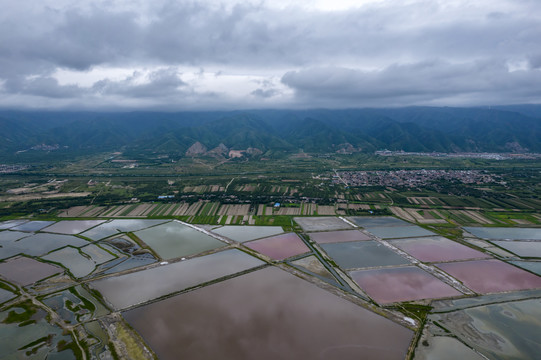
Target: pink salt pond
[279, 247]
[487, 276]
[437, 249]
[401, 284]
[338, 236]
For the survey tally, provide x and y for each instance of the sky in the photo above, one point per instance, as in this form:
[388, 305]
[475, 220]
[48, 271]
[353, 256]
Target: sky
[212, 55]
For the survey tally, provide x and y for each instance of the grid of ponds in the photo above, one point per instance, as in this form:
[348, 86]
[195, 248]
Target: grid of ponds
[285, 317]
[256, 309]
[125, 290]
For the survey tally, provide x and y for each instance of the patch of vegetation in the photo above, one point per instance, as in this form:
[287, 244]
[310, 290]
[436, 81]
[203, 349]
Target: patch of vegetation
[21, 312]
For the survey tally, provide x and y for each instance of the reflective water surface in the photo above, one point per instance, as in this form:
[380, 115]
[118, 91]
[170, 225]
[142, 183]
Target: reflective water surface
[401, 284]
[324, 223]
[437, 248]
[373, 221]
[266, 314]
[362, 254]
[338, 236]
[279, 247]
[399, 232]
[174, 240]
[26, 271]
[505, 233]
[72, 227]
[509, 330]
[486, 276]
[247, 233]
[126, 290]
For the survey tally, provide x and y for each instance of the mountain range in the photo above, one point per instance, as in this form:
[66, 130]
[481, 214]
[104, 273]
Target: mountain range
[427, 129]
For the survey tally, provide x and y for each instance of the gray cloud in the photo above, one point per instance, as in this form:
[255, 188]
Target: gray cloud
[162, 83]
[433, 82]
[389, 47]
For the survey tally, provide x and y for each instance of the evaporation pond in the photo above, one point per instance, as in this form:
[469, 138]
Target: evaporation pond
[532, 266]
[138, 287]
[247, 233]
[338, 236]
[42, 243]
[521, 248]
[37, 340]
[378, 221]
[71, 227]
[8, 244]
[266, 314]
[25, 271]
[314, 266]
[401, 284]
[437, 248]
[445, 348]
[115, 227]
[32, 225]
[399, 232]
[499, 331]
[486, 276]
[73, 260]
[6, 295]
[175, 239]
[505, 233]
[362, 254]
[322, 223]
[279, 247]
[10, 223]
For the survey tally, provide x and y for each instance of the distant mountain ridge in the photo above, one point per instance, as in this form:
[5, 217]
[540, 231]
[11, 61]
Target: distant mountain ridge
[440, 129]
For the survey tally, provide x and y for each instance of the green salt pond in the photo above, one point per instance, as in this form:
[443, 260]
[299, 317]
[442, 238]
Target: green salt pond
[175, 239]
[247, 233]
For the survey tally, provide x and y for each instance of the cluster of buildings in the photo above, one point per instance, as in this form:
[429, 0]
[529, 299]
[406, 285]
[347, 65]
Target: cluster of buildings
[6, 169]
[411, 178]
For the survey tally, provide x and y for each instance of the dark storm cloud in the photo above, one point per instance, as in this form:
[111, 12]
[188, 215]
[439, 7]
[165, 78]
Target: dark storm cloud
[472, 42]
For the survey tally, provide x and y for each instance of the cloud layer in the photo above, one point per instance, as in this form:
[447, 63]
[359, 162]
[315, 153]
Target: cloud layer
[204, 54]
